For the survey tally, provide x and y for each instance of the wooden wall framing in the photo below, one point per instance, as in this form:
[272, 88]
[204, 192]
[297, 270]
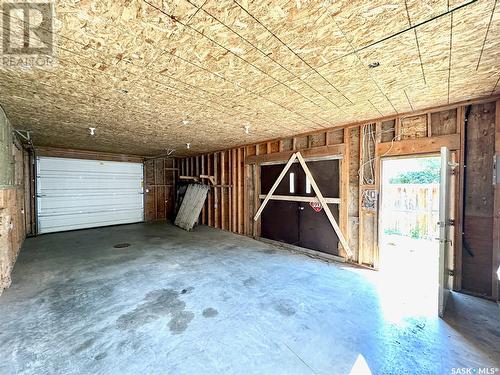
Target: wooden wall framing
[224, 172]
[159, 190]
[422, 132]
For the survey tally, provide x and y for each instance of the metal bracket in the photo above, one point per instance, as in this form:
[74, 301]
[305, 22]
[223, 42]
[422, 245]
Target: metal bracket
[450, 223]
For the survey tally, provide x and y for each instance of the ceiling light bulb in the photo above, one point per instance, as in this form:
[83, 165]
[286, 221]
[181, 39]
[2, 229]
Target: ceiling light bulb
[92, 131]
[188, 145]
[185, 122]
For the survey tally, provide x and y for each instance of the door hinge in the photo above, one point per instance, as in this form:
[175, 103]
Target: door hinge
[451, 272]
[450, 223]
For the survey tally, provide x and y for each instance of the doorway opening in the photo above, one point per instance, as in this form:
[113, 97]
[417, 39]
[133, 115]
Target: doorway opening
[409, 232]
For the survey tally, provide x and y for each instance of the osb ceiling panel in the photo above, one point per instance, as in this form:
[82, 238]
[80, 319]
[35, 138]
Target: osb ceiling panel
[136, 69]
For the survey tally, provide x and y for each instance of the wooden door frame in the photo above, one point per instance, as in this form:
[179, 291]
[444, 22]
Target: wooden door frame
[458, 188]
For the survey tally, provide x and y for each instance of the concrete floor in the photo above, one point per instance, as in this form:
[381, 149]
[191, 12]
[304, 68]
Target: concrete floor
[209, 302]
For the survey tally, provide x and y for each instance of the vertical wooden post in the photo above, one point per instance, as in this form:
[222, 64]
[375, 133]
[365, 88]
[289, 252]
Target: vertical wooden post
[376, 229]
[459, 203]
[155, 188]
[235, 191]
[216, 190]
[210, 194]
[223, 189]
[496, 215]
[203, 210]
[361, 234]
[397, 129]
[429, 123]
[240, 194]
[256, 185]
[230, 191]
[344, 189]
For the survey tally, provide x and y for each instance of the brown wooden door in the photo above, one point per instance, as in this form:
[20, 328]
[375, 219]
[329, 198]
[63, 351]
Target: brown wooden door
[300, 223]
[280, 219]
[315, 231]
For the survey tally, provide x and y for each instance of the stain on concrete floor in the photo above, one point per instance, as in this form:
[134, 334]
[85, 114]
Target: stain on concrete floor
[210, 312]
[152, 307]
[158, 304]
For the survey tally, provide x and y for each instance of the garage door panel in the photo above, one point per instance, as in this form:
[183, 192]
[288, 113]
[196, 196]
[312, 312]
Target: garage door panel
[76, 194]
[58, 223]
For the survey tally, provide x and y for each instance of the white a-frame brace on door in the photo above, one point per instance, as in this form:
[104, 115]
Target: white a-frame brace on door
[320, 197]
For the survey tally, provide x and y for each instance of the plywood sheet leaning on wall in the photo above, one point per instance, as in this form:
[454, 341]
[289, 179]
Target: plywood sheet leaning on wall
[191, 206]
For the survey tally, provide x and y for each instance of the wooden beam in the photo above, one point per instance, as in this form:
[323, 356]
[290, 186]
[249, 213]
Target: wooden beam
[419, 146]
[496, 210]
[344, 187]
[294, 198]
[230, 191]
[321, 151]
[222, 190]
[240, 192]
[256, 185]
[204, 209]
[361, 181]
[194, 178]
[83, 154]
[216, 191]
[429, 123]
[235, 190]
[210, 210]
[328, 213]
[275, 185]
[376, 247]
[459, 203]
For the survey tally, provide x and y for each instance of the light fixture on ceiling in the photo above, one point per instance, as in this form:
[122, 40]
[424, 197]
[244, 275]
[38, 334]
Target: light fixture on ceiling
[92, 132]
[374, 64]
[185, 122]
[188, 145]
[247, 129]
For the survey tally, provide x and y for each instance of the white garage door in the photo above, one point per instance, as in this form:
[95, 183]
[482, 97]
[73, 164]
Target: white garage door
[76, 193]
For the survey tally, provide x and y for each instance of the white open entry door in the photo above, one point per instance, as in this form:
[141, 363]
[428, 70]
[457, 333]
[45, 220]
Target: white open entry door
[77, 193]
[446, 226]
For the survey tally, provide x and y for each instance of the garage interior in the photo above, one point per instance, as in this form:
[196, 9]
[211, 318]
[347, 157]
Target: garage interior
[287, 113]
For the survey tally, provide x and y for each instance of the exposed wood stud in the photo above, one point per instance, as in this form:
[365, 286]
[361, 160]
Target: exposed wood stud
[223, 190]
[344, 190]
[230, 191]
[496, 217]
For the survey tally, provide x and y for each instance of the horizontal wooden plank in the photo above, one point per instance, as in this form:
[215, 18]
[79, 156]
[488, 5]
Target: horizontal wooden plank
[291, 198]
[83, 154]
[418, 146]
[315, 152]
